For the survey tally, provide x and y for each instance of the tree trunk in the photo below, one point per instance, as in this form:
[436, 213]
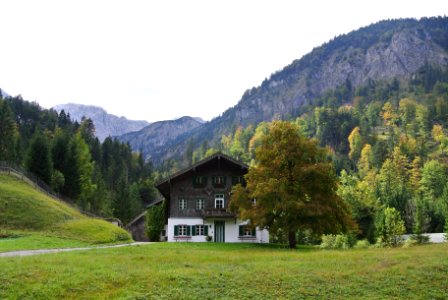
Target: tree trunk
[292, 239]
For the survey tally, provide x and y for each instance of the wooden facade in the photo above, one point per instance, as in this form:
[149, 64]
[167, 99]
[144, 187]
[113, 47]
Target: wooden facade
[193, 192]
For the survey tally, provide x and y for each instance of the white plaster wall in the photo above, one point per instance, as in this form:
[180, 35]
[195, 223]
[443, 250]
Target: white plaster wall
[231, 230]
[185, 221]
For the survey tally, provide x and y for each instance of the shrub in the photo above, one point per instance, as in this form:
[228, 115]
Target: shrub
[327, 241]
[391, 227]
[446, 229]
[362, 244]
[409, 243]
[419, 238]
[339, 241]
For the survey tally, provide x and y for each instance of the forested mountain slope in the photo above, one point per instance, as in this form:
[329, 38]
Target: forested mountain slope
[389, 51]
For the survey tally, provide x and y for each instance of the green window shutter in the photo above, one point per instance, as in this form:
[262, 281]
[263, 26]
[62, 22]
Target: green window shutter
[176, 229]
[188, 230]
[225, 180]
[205, 229]
[254, 233]
[241, 230]
[193, 230]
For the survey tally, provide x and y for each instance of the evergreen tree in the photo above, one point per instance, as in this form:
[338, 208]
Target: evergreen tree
[39, 158]
[7, 133]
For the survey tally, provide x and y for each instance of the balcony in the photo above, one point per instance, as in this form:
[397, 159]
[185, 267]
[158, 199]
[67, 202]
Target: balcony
[217, 213]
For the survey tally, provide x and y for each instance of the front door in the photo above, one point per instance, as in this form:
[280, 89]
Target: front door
[220, 236]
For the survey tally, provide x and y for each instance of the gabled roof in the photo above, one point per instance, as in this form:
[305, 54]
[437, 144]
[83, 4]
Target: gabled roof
[217, 156]
[158, 201]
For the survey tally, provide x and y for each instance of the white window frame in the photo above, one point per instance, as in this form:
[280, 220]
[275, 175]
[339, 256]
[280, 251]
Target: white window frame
[182, 230]
[183, 204]
[200, 204]
[200, 229]
[219, 199]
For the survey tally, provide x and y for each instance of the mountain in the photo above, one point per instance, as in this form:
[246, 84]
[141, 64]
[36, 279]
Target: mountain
[105, 124]
[385, 51]
[3, 94]
[156, 135]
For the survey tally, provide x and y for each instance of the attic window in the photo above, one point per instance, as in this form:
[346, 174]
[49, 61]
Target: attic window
[199, 181]
[219, 181]
[238, 180]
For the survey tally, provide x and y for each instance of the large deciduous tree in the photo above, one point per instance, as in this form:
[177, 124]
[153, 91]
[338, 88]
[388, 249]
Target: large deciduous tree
[293, 186]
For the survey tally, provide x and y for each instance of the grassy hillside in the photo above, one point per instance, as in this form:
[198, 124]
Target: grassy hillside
[25, 210]
[228, 271]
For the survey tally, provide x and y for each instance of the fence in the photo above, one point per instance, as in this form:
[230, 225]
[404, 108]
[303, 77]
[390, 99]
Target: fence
[28, 177]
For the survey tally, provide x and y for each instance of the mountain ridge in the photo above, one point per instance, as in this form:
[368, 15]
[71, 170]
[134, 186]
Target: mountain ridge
[105, 124]
[156, 134]
[386, 50]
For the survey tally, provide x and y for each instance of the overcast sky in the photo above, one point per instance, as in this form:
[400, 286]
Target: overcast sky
[157, 60]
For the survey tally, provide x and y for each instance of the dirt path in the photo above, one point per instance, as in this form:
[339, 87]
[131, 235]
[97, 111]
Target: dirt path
[46, 251]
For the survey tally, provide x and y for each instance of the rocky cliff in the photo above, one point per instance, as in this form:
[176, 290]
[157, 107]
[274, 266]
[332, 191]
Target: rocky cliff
[105, 124]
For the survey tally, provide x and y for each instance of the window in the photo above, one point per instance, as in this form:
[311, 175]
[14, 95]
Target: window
[246, 231]
[199, 181]
[200, 203]
[219, 201]
[238, 180]
[219, 181]
[181, 230]
[199, 229]
[182, 204]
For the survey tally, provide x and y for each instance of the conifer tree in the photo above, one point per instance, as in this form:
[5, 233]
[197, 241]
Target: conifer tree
[39, 158]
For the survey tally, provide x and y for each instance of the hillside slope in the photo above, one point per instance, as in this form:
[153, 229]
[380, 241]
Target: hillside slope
[26, 209]
[387, 50]
[105, 124]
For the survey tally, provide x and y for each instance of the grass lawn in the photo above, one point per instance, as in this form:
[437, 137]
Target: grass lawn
[228, 271]
[29, 241]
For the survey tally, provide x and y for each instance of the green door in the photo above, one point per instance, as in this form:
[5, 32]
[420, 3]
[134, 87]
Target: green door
[220, 236]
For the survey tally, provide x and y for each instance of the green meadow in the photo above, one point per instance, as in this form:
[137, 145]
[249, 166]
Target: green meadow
[228, 271]
[30, 219]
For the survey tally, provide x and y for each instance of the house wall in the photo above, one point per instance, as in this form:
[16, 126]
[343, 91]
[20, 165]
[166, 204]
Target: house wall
[183, 188]
[231, 230]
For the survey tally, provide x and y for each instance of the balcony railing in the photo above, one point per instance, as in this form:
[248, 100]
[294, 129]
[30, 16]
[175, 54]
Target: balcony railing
[217, 212]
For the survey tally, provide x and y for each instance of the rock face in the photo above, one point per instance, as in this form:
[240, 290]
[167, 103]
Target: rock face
[158, 134]
[387, 50]
[105, 124]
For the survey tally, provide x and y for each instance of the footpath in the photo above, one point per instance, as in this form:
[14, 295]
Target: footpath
[46, 251]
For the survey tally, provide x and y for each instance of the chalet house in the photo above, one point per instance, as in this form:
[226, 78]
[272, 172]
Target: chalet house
[197, 201]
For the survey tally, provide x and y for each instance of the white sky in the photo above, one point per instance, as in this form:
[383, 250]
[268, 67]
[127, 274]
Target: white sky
[157, 60]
